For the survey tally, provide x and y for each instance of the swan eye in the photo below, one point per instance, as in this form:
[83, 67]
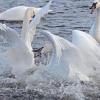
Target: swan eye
[33, 14]
[93, 7]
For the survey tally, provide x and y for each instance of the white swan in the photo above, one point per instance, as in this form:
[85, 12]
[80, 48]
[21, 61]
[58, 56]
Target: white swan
[17, 13]
[66, 62]
[95, 29]
[88, 45]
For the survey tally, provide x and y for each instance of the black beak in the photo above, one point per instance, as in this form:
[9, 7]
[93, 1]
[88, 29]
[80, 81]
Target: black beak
[93, 7]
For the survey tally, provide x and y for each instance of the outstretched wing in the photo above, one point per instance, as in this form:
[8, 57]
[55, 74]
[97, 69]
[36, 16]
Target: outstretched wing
[66, 59]
[8, 33]
[14, 51]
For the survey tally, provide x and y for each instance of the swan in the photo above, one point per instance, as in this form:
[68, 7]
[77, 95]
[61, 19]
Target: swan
[18, 51]
[95, 29]
[17, 13]
[88, 45]
[90, 49]
[66, 62]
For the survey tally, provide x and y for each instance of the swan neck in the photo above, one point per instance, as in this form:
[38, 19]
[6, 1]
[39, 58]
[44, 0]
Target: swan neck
[25, 27]
[98, 17]
[25, 36]
[97, 23]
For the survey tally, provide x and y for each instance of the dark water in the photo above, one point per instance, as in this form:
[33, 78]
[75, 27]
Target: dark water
[67, 15]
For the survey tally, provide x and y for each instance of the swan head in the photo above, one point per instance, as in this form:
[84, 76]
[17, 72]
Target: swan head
[29, 14]
[95, 5]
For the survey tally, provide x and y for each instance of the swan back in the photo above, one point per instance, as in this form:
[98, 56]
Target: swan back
[89, 49]
[15, 13]
[84, 38]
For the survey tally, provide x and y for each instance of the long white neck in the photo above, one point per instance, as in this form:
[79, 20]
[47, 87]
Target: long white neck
[25, 27]
[97, 30]
[25, 34]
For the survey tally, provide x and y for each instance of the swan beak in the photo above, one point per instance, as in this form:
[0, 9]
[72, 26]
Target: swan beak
[93, 7]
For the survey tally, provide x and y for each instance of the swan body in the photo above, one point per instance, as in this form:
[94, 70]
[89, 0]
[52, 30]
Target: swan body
[90, 50]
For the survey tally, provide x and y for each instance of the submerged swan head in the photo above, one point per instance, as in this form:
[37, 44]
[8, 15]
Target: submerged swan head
[95, 5]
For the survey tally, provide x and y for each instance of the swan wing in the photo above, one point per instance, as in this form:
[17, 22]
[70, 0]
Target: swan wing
[14, 51]
[66, 60]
